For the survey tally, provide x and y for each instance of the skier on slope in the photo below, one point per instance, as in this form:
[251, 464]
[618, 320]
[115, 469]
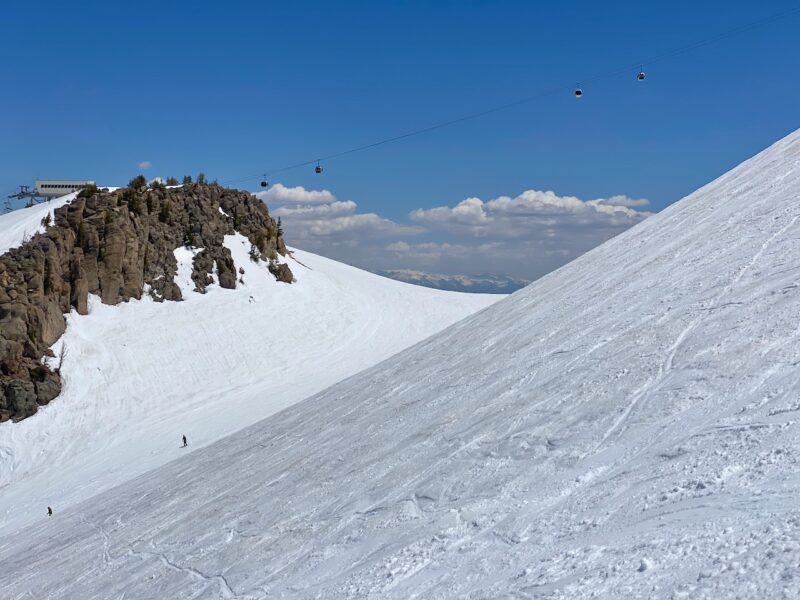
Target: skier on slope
[49, 512]
[185, 443]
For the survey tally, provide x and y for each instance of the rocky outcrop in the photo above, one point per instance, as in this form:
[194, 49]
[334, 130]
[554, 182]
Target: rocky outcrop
[281, 271]
[117, 245]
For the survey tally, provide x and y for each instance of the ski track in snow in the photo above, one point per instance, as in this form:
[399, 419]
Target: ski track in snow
[625, 427]
[668, 363]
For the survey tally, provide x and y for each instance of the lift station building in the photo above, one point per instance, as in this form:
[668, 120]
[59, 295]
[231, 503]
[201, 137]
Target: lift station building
[53, 188]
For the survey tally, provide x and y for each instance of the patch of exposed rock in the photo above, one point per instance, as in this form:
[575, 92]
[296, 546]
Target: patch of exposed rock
[115, 245]
[281, 271]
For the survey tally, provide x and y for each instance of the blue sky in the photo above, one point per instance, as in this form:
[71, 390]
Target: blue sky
[93, 89]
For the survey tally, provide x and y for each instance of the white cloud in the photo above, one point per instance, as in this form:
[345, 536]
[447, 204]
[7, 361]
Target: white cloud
[145, 164]
[526, 235]
[399, 247]
[529, 259]
[533, 213]
[431, 249]
[280, 194]
[322, 211]
[430, 252]
[316, 226]
[625, 201]
[368, 224]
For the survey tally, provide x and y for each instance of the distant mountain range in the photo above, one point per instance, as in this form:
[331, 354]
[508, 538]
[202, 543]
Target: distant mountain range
[486, 283]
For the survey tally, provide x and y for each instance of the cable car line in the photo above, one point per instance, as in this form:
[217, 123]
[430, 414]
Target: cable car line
[578, 92]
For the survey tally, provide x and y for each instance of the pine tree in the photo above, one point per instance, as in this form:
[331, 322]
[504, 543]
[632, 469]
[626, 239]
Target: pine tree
[137, 182]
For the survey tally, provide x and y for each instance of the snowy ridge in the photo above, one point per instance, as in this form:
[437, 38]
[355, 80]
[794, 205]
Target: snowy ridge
[22, 224]
[140, 374]
[625, 427]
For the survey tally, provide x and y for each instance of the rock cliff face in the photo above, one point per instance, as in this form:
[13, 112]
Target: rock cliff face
[115, 245]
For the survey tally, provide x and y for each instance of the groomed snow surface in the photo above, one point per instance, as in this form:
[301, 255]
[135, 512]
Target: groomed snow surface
[140, 375]
[625, 427]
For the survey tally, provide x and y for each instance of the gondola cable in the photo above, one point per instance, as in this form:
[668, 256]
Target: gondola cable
[578, 92]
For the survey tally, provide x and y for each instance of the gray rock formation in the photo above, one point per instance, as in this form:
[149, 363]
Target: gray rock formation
[115, 245]
[281, 271]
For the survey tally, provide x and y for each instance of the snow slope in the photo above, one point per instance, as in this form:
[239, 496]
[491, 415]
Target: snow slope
[22, 224]
[140, 375]
[625, 427]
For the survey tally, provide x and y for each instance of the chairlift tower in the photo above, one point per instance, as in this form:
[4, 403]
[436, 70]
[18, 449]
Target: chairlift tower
[33, 197]
[45, 190]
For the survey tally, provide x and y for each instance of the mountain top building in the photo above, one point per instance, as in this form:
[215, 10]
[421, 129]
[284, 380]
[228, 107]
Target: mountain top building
[53, 188]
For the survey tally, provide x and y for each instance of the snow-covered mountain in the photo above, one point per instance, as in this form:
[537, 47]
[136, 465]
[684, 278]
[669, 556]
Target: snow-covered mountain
[486, 283]
[624, 427]
[139, 375]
